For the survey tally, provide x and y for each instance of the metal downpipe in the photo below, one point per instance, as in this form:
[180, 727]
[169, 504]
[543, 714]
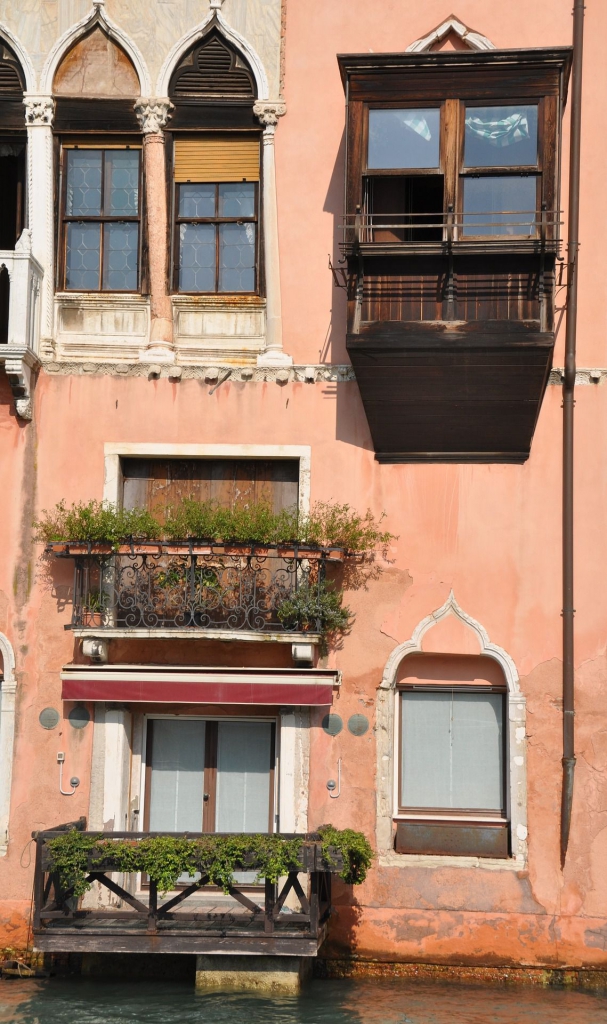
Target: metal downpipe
[573, 242]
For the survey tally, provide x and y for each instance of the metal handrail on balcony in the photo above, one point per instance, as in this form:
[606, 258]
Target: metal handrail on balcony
[361, 228]
[191, 585]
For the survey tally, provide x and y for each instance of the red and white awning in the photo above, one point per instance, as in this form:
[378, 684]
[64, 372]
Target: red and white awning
[159, 684]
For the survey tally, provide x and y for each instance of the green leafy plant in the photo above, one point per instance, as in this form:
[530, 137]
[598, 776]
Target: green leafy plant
[166, 858]
[316, 606]
[97, 522]
[327, 525]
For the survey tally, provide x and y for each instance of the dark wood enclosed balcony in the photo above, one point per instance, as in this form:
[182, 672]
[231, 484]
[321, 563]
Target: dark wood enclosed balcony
[183, 589]
[192, 919]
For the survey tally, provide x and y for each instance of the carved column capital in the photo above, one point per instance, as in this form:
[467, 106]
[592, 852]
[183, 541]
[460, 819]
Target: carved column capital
[153, 114]
[267, 112]
[39, 110]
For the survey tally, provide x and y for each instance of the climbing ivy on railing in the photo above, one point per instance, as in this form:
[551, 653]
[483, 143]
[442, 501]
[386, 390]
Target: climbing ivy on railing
[166, 858]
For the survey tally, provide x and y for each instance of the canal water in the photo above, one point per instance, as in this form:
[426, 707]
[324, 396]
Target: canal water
[83, 1001]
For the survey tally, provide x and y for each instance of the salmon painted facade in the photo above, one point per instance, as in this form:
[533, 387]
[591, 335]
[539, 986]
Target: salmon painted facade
[301, 252]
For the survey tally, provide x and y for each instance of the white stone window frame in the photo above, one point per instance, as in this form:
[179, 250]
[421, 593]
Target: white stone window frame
[387, 733]
[8, 688]
[118, 736]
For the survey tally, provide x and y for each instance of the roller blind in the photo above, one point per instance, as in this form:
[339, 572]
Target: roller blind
[217, 157]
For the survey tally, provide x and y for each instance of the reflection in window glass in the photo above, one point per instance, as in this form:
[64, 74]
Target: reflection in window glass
[452, 750]
[197, 257]
[501, 136]
[197, 200]
[500, 206]
[404, 138]
[120, 250]
[237, 199]
[237, 257]
[82, 256]
[83, 192]
[122, 183]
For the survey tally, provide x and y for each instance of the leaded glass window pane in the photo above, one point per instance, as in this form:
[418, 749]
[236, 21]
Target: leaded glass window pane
[121, 248]
[83, 189]
[122, 182]
[501, 136]
[504, 205]
[237, 199]
[197, 201]
[404, 138]
[197, 257]
[452, 750]
[237, 257]
[83, 253]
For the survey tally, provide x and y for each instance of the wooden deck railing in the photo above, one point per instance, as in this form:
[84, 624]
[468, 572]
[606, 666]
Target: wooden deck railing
[256, 921]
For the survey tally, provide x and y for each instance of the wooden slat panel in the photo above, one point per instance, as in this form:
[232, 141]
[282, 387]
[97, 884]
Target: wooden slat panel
[161, 482]
[217, 158]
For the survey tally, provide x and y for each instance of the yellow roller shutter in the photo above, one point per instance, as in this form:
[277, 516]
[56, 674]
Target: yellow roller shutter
[217, 157]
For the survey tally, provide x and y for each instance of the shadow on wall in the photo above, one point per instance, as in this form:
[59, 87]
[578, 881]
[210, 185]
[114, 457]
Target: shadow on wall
[344, 923]
[334, 349]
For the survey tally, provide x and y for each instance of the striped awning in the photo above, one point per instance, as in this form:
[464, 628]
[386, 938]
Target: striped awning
[159, 684]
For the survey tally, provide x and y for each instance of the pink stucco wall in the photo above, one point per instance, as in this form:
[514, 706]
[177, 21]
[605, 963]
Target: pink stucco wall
[489, 532]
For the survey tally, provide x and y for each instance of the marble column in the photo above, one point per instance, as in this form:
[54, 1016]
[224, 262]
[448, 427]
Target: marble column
[153, 115]
[268, 112]
[39, 112]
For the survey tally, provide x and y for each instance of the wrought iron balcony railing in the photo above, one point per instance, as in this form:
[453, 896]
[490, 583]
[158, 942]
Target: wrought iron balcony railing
[195, 586]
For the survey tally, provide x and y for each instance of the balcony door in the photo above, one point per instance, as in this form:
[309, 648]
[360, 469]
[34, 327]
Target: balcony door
[210, 776]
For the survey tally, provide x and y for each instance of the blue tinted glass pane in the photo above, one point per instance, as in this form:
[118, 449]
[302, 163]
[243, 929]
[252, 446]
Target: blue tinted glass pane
[196, 200]
[237, 199]
[197, 258]
[82, 257]
[237, 258]
[501, 136]
[120, 256]
[500, 206]
[83, 194]
[404, 138]
[122, 182]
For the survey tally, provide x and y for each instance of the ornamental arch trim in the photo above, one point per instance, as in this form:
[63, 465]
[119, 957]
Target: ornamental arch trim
[11, 40]
[95, 17]
[195, 35]
[7, 736]
[472, 39]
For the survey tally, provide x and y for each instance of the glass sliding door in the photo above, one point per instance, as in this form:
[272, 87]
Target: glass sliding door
[175, 761]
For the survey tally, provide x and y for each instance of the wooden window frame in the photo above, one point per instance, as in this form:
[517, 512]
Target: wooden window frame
[451, 156]
[462, 815]
[102, 219]
[216, 220]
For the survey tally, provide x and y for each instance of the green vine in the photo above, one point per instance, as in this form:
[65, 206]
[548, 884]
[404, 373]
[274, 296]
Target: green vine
[165, 858]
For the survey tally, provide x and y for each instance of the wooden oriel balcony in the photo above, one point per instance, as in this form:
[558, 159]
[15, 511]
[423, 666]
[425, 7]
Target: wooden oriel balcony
[191, 920]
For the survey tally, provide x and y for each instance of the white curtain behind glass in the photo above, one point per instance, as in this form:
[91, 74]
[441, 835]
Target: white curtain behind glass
[176, 792]
[452, 750]
[243, 776]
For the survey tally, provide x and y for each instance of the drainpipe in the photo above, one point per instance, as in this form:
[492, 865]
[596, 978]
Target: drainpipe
[568, 407]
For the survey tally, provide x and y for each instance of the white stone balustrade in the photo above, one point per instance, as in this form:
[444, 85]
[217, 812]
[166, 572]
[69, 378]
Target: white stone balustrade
[20, 353]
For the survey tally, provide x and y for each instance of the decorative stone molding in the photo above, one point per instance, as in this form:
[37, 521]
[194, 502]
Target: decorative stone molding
[216, 19]
[22, 55]
[96, 16]
[320, 373]
[215, 5]
[583, 376]
[267, 112]
[20, 367]
[473, 39]
[153, 114]
[385, 730]
[39, 110]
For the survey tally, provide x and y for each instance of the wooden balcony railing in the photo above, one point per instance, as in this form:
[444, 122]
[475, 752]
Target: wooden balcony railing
[140, 920]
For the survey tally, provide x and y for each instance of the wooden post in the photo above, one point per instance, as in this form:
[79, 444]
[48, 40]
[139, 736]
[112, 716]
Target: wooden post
[153, 907]
[314, 908]
[269, 908]
[38, 885]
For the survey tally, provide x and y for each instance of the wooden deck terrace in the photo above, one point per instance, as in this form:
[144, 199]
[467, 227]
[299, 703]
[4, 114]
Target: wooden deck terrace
[140, 920]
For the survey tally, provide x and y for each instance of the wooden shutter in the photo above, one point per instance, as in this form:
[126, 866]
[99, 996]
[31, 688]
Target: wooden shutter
[217, 157]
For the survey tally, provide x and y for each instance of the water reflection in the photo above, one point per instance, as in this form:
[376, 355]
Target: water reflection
[59, 1001]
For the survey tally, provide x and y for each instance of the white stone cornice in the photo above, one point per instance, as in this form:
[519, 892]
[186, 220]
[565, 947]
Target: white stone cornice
[39, 110]
[153, 114]
[267, 112]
